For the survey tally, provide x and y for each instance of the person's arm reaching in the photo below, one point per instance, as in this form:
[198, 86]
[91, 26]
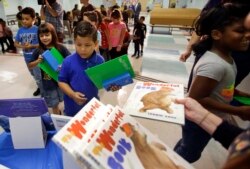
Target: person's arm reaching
[52, 11]
[186, 54]
[220, 130]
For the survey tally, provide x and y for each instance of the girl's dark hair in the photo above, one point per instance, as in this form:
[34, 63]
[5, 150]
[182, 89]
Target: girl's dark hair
[99, 17]
[216, 18]
[29, 11]
[116, 14]
[47, 28]
[85, 29]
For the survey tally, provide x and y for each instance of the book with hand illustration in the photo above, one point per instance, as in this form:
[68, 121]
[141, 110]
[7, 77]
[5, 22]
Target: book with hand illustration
[122, 142]
[117, 71]
[156, 101]
[52, 61]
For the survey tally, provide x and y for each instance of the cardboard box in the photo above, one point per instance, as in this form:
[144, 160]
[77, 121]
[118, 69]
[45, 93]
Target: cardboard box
[23, 118]
[28, 132]
[68, 161]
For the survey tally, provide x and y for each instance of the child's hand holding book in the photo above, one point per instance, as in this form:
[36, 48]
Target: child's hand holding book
[79, 98]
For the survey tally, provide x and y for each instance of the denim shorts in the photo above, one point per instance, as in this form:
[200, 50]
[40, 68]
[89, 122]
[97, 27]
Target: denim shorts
[53, 97]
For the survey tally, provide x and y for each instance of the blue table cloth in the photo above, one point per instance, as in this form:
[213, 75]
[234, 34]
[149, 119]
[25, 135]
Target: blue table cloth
[48, 158]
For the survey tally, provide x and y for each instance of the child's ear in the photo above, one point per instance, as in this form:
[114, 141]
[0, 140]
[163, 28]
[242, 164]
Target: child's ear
[96, 43]
[216, 34]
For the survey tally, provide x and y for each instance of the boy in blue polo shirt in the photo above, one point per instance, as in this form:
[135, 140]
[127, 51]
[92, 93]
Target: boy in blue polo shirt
[77, 87]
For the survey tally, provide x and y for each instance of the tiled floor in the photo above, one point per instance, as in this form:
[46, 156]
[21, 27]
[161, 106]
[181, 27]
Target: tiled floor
[160, 61]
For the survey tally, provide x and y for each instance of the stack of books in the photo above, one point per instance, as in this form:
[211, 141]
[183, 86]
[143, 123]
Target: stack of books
[103, 136]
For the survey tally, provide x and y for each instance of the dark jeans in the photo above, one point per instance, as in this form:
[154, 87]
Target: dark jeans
[11, 43]
[194, 140]
[60, 37]
[137, 47]
[104, 53]
[2, 41]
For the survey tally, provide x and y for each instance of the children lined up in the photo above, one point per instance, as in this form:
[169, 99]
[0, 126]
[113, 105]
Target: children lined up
[35, 40]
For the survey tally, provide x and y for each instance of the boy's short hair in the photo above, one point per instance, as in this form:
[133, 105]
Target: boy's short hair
[142, 18]
[85, 29]
[29, 11]
[91, 15]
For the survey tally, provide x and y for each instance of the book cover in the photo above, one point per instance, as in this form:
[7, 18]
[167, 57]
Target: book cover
[80, 128]
[123, 143]
[47, 55]
[156, 101]
[243, 100]
[110, 69]
[47, 68]
[120, 80]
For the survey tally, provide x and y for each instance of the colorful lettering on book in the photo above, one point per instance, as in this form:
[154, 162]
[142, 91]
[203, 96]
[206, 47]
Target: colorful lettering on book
[114, 162]
[77, 128]
[105, 139]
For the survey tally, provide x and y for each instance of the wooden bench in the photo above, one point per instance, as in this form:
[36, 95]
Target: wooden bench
[174, 17]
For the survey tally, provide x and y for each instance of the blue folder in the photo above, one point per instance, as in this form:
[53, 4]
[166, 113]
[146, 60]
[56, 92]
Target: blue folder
[120, 80]
[51, 60]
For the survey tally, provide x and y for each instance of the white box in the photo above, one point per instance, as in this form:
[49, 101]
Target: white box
[68, 161]
[28, 132]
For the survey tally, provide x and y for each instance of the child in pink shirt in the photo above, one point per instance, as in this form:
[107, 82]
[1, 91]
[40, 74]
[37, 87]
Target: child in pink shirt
[117, 31]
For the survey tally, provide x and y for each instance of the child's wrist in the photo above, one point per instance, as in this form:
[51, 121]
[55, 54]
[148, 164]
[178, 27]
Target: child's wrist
[71, 95]
[203, 118]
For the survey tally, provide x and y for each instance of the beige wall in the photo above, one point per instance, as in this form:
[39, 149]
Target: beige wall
[143, 5]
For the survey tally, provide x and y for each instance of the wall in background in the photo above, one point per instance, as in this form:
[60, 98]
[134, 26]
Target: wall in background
[10, 6]
[179, 3]
[196, 3]
[2, 11]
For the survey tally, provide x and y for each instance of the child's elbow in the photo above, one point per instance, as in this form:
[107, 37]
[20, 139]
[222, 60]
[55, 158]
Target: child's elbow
[30, 66]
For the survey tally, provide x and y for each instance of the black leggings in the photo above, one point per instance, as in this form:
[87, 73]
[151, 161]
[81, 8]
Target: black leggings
[114, 54]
